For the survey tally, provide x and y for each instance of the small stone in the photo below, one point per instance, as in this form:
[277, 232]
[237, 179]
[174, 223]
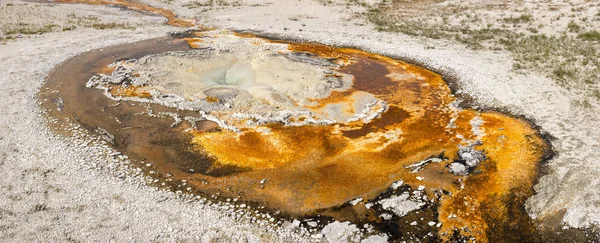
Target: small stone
[296, 223]
[341, 232]
[458, 169]
[397, 184]
[386, 216]
[356, 201]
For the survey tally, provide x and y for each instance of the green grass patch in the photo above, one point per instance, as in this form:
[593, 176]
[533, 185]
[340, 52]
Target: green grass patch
[590, 36]
[69, 28]
[520, 19]
[26, 30]
[103, 26]
[573, 27]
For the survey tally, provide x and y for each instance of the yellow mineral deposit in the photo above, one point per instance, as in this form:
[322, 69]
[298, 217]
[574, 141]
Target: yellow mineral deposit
[514, 151]
[130, 91]
[315, 167]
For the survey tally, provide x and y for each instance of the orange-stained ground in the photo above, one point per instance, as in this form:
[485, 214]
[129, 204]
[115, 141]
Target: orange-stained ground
[312, 168]
[129, 91]
[315, 167]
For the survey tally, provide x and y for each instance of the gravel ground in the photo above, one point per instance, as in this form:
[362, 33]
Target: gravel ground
[50, 190]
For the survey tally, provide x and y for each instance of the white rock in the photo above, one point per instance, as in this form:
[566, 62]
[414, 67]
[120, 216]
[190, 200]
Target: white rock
[381, 238]
[397, 184]
[399, 205]
[356, 201]
[341, 232]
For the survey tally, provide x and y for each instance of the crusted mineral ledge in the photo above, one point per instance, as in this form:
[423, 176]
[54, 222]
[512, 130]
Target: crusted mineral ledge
[241, 83]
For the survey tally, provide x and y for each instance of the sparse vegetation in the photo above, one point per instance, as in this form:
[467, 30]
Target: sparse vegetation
[326, 2]
[573, 27]
[211, 4]
[196, 4]
[474, 38]
[590, 36]
[572, 60]
[359, 2]
[68, 28]
[520, 19]
[102, 26]
[299, 17]
[14, 26]
[29, 30]
[39, 208]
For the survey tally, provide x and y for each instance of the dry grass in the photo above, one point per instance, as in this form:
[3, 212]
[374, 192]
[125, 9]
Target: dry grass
[213, 4]
[559, 41]
[34, 19]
